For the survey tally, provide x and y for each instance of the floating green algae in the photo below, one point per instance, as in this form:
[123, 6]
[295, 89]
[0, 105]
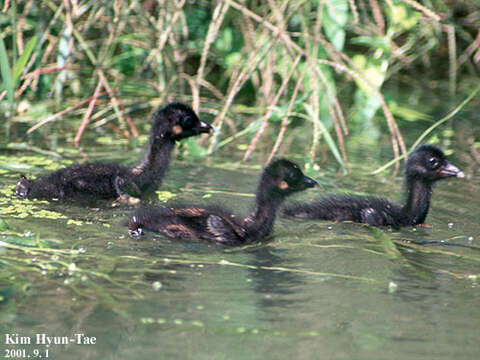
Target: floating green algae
[75, 222]
[21, 208]
[164, 196]
[32, 163]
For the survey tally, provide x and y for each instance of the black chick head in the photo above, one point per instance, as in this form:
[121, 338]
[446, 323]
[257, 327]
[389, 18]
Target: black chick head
[282, 178]
[23, 187]
[428, 163]
[177, 121]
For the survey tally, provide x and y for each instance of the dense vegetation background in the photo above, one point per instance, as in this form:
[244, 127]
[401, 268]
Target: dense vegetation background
[266, 73]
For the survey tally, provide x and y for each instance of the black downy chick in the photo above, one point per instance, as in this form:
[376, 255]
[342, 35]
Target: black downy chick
[426, 165]
[174, 122]
[279, 179]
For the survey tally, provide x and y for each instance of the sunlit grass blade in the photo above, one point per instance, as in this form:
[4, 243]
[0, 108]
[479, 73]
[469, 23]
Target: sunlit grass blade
[5, 71]
[429, 130]
[253, 126]
[328, 138]
[448, 117]
[22, 60]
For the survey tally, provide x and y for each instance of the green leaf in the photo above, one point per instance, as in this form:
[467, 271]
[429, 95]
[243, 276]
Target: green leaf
[334, 19]
[407, 113]
[252, 127]
[23, 59]
[5, 71]
[376, 42]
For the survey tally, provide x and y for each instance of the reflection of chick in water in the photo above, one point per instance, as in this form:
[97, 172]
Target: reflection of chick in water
[279, 179]
[174, 122]
[426, 165]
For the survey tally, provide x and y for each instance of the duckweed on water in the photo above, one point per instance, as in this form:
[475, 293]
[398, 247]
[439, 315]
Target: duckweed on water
[164, 196]
[75, 222]
[32, 163]
[22, 211]
[22, 208]
[106, 140]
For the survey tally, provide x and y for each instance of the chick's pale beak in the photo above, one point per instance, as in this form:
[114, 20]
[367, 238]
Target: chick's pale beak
[451, 170]
[205, 128]
[309, 182]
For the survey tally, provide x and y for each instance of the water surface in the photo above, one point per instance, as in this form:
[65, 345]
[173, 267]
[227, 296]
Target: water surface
[312, 290]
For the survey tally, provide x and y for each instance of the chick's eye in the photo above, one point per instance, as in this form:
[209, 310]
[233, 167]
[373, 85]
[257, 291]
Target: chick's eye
[292, 177]
[187, 122]
[433, 162]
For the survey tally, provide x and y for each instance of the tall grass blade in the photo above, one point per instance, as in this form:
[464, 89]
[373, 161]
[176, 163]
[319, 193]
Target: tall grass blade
[449, 116]
[429, 130]
[22, 60]
[328, 138]
[5, 71]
